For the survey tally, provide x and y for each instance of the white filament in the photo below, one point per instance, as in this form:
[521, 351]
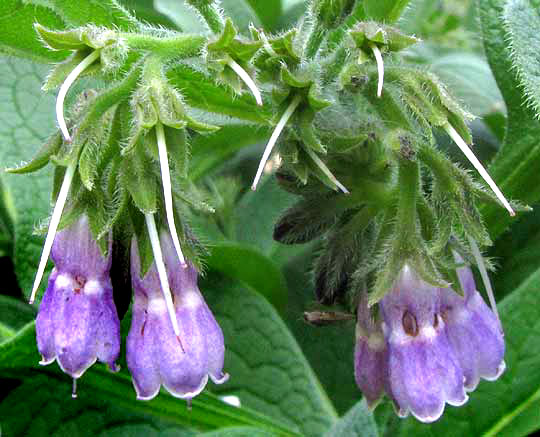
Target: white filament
[477, 165]
[167, 190]
[53, 226]
[74, 389]
[484, 274]
[246, 78]
[85, 63]
[162, 272]
[274, 137]
[380, 67]
[325, 170]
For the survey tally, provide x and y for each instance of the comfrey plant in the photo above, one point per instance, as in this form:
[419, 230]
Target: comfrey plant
[354, 126]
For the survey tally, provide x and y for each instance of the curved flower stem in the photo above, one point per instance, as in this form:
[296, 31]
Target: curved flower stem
[85, 63]
[274, 137]
[167, 190]
[380, 67]
[485, 277]
[53, 226]
[477, 165]
[162, 272]
[246, 78]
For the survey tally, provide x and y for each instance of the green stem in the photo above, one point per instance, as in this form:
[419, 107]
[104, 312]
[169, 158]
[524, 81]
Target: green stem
[180, 46]
[408, 183]
[210, 13]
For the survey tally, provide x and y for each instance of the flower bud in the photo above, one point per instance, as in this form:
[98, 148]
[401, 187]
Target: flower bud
[77, 322]
[155, 355]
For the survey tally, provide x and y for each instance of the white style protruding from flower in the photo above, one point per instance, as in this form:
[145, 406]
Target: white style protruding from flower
[477, 165]
[246, 78]
[85, 63]
[162, 272]
[167, 190]
[70, 171]
[325, 169]
[53, 227]
[274, 137]
[380, 67]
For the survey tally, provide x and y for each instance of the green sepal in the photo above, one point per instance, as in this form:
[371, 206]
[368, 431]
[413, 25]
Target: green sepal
[139, 179]
[301, 171]
[96, 149]
[146, 116]
[228, 43]
[146, 256]
[42, 157]
[199, 126]
[307, 157]
[178, 151]
[297, 80]
[387, 38]
[61, 39]
[169, 105]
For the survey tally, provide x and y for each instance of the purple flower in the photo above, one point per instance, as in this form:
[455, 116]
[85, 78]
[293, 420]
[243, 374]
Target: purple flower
[370, 355]
[437, 345]
[155, 355]
[77, 322]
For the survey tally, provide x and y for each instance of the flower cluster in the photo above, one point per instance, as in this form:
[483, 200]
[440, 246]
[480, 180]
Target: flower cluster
[429, 347]
[77, 322]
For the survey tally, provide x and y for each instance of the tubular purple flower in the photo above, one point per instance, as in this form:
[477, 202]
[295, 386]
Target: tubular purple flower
[423, 370]
[77, 322]
[370, 355]
[474, 332]
[155, 355]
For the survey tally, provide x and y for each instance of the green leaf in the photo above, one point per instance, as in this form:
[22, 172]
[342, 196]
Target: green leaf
[245, 264]
[106, 13]
[14, 314]
[180, 14]
[385, 10]
[268, 370]
[358, 422]
[210, 151]
[523, 26]
[515, 167]
[268, 11]
[243, 431]
[18, 37]
[100, 386]
[26, 118]
[207, 95]
[494, 406]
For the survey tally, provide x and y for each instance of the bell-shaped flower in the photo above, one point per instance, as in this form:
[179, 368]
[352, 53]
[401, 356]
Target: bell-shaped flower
[155, 354]
[424, 371]
[77, 322]
[474, 331]
[370, 355]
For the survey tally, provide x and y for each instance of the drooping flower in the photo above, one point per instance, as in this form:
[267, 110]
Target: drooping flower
[77, 322]
[437, 345]
[155, 354]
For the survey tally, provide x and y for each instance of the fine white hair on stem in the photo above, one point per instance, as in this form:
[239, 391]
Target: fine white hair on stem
[274, 137]
[162, 271]
[380, 67]
[325, 169]
[167, 190]
[477, 165]
[85, 63]
[246, 78]
[484, 274]
[53, 226]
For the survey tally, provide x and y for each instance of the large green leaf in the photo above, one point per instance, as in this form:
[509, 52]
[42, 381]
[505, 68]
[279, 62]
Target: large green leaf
[515, 167]
[523, 25]
[101, 386]
[358, 422]
[26, 118]
[268, 11]
[385, 10]
[14, 314]
[145, 11]
[268, 370]
[17, 36]
[495, 406]
[209, 151]
[245, 264]
[106, 13]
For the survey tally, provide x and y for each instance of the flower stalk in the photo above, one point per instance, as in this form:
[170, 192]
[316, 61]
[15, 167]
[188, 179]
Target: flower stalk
[246, 78]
